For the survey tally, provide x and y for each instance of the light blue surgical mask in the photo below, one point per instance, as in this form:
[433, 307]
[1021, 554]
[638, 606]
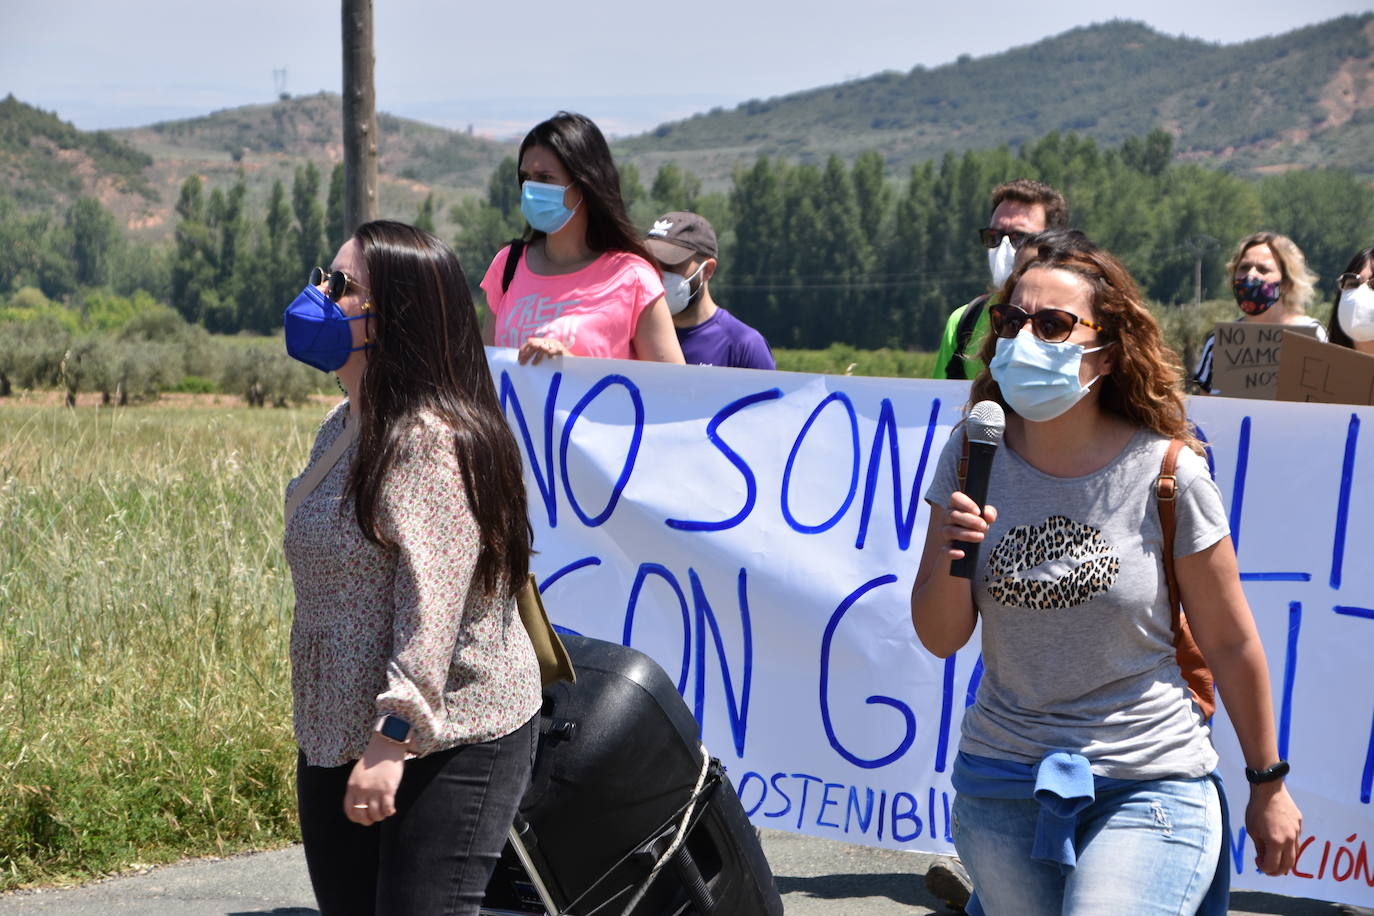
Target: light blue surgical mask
[542, 206]
[1039, 380]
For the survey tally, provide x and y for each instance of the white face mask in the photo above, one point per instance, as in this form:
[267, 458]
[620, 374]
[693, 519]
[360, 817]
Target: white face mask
[1355, 312]
[1000, 261]
[677, 289]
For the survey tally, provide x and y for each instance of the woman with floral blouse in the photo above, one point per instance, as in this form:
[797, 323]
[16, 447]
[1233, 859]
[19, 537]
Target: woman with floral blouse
[415, 684]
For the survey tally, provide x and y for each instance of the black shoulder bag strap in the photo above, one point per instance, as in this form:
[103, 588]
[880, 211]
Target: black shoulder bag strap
[517, 248]
[962, 335]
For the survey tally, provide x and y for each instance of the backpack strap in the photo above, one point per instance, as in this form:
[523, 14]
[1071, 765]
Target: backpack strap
[320, 469]
[963, 334]
[1190, 661]
[517, 248]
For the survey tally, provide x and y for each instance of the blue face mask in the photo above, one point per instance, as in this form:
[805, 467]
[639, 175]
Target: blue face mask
[542, 206]
[1039, 380]
[318, 332]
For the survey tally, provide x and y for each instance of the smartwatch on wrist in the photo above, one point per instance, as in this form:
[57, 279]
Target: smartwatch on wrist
[1268, 774]
[394, 729]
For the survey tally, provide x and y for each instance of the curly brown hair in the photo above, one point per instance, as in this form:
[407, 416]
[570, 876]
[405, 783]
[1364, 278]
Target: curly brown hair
[1145, 384]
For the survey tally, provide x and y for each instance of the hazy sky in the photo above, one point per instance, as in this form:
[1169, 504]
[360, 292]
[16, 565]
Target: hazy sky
[501, 67]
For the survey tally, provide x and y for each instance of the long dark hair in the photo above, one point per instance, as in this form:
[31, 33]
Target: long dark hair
[1363, 258]
[579, 145]
[427, 356]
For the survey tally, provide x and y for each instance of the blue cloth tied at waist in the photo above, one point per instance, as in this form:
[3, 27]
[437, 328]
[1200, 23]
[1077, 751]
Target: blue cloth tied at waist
[1063, 783]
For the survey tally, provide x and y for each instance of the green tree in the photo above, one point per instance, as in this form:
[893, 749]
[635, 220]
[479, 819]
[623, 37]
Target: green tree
[631, 187]
[1199, 202]
[843, 263]
[309, 231]
[283, 274]
[756, 264]
[32, 353]
[34, 251]
[675, 189]
[267, 376]
[1327, 212]
[803, 279]
[907, 259]
[424, 219]
[95, 240]
[194, 267]
[334, 209]
[503, 188]
[1150, 155]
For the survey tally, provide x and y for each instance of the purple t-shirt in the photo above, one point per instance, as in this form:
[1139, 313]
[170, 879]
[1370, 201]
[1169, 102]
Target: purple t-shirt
[724, 340]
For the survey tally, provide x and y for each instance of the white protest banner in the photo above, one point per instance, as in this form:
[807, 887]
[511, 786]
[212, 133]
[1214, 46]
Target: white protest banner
[758, 533]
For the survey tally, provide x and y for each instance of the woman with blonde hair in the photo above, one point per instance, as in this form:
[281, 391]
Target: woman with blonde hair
[1087, 734]
[1272, 285]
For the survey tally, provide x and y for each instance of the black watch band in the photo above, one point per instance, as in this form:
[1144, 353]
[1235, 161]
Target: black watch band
[1268, 774]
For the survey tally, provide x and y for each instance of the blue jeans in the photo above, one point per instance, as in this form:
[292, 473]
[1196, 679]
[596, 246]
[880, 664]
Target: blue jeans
[437, 852]
[1149, 848]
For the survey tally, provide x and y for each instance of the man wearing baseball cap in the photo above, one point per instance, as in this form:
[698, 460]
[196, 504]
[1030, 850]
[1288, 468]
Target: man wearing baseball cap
[684, 244]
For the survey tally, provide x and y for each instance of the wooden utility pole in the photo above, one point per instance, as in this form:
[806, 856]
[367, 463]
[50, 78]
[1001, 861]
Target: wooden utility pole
[359, 116]
[1199, 245]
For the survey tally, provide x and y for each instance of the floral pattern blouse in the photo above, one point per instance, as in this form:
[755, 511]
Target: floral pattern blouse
[401, 631]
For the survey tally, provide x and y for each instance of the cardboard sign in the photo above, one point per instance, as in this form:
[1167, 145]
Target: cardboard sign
[1326, 373]
[1245, 358]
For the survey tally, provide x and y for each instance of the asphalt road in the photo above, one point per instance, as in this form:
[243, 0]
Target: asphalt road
[814, 877]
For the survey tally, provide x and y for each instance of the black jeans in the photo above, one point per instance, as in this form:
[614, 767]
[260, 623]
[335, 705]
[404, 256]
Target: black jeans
[437, 852]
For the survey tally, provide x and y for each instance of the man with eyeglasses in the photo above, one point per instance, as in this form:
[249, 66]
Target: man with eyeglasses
[1020, 208]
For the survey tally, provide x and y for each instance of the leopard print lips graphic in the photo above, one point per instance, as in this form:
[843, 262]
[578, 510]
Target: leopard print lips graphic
[1059, 563]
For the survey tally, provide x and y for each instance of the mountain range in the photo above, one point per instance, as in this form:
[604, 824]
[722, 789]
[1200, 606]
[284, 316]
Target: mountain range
[1301, 99]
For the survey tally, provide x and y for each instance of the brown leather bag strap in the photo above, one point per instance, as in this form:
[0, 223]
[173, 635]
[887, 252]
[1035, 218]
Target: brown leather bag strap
[1166, 492]
[1190, 661]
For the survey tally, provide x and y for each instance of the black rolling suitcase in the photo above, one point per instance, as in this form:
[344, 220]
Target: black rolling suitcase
[618, 773]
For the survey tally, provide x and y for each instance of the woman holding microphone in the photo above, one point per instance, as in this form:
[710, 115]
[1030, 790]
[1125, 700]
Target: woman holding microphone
[1085, 774]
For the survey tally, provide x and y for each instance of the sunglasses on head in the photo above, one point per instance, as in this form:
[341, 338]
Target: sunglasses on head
[1050, 325]
[993, 237]
[337, 282]
[1351, 281]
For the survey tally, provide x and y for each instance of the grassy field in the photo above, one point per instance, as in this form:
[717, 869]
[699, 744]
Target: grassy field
[842, 359]
[144, 680]
[145, 612]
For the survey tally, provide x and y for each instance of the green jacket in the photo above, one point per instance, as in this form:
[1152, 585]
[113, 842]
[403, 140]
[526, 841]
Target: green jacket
[949, 341]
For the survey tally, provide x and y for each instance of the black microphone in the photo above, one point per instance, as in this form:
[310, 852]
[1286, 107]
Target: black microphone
[984, 428]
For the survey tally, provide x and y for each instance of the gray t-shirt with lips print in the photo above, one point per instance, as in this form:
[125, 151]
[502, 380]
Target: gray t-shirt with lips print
[1077, 638]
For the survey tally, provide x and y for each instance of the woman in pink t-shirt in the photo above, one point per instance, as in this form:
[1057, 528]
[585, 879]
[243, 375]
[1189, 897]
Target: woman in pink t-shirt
[585, 285]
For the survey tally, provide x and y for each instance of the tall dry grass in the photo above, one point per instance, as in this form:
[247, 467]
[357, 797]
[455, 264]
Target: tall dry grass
[144, 617]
